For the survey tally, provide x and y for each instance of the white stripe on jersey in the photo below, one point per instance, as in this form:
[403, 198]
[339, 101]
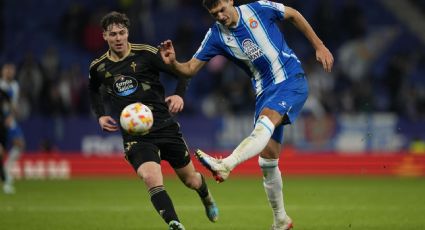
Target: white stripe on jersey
[278, 6]
[237, 51]
[262, 39]
[207, 35]
[291, 55]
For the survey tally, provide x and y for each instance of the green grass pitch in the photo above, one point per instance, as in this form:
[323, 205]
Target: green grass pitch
[315, 203]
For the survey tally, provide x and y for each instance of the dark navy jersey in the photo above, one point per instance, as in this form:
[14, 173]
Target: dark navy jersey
[135, 78]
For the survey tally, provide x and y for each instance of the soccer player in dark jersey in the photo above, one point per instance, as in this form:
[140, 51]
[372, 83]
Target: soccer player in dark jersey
[129, 73]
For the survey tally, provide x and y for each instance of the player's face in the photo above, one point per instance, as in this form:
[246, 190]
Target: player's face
[225, 13]
[8, 71]
[117, 38]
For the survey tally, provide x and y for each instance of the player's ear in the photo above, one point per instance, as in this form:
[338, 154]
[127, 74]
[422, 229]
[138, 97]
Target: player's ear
[104, 35]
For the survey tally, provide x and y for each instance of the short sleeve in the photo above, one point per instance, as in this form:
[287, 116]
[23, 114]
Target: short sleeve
[209, 47]
[274, 9]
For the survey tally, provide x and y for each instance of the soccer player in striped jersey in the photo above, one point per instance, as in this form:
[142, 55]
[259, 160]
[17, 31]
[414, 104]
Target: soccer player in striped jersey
[15, 135]
[130, 73]
[249, 36]
[4, 112]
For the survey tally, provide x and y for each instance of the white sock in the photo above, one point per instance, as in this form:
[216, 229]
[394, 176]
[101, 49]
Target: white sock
[14, 154]
[272, 182]
[253, 144]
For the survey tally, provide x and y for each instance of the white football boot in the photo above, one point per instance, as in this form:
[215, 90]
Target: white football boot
[214, 165]
[8, 189]
[286, 224]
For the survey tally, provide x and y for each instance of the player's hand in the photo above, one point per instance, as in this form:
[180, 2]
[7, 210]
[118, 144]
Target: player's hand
[167, 52]
[175, 103]
[108, 124]
[9, 121]
[324, 56]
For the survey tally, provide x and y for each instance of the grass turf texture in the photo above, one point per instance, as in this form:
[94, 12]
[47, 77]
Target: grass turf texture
[313, 203]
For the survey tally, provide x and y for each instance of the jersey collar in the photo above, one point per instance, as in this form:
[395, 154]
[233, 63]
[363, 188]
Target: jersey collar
[108, 55]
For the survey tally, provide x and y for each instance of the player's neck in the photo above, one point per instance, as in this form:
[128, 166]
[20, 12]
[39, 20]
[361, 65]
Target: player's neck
[235, 18]
[118, 56]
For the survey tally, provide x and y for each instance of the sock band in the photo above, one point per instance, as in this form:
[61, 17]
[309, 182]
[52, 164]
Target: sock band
[267, 163]
[266, 122]
[156, 190]
[203, 189]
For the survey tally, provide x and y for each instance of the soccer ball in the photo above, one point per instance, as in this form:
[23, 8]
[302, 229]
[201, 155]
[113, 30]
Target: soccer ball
[136, 119]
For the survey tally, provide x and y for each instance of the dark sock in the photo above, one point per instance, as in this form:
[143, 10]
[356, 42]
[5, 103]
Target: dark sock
[2, 172]
[203, 190]
[163, 204]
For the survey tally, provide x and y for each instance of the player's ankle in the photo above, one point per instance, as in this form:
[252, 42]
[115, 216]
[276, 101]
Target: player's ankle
[230, 162]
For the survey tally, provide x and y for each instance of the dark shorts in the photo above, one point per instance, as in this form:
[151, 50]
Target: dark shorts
[163, 144]
[3, 136]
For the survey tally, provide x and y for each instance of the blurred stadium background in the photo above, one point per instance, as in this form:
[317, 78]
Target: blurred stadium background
[372, 104]
[366, 118]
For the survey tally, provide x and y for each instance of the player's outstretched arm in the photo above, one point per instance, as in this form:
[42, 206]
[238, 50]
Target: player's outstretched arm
[168, 55]
[323, 55]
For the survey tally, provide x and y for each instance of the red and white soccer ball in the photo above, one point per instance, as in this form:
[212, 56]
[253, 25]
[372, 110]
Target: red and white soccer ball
[136, 119]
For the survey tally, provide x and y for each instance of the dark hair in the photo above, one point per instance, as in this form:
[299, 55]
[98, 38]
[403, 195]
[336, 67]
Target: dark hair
[114, 18]
[209, 4]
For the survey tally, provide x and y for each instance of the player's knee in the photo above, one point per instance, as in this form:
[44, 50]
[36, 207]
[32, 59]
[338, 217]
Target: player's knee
[150, 175]
[150, 179]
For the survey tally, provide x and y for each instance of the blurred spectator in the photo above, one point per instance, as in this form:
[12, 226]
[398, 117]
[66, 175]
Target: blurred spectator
[352, 20]
[357, 55]
[72, 23]
[1, 25]
[50, 63]
[31, 80]
[324, 21]
[321, 100]
[50, 87]
[92, 33]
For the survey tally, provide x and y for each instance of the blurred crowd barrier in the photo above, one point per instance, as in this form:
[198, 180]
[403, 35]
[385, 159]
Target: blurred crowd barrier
[373, 102]
[375, 133]
[56, 166]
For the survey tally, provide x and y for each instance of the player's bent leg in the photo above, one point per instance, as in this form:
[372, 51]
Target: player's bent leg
[151, 174]
[256, 141]
[195, 181]
[249, 147]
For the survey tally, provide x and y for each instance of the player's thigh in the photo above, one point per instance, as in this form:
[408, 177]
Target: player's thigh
[138, 152]
[173, 147]
[286, 98]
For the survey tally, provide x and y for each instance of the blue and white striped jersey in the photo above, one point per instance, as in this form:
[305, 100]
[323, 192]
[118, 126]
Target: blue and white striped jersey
[256, 44]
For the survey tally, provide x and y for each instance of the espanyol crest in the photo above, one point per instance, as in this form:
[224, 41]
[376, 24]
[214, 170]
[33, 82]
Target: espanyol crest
[253, 23]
